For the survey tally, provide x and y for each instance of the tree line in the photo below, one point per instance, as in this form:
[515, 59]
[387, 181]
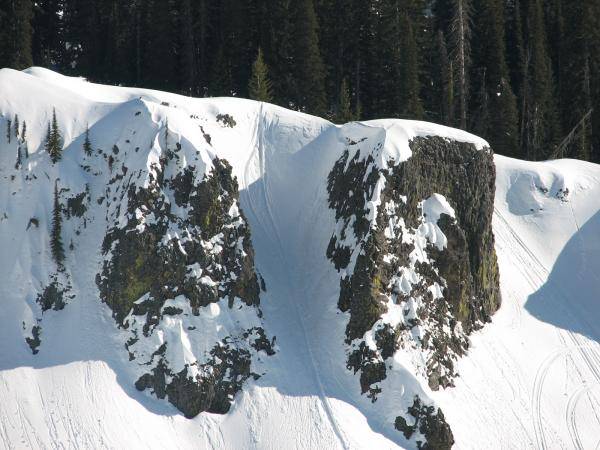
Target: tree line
[524, 74]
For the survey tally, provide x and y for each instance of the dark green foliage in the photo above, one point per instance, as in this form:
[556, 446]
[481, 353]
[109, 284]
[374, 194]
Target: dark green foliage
[48, 36]
[87, 145]
[19, 160]
[440, 60]
[442, 79]
[496, 110]
[53, 296]
[260, 86]
[15, 34]
[308, 93]
[34, 342]
[56, 244]
[540, 126]
[16, 126]
[54, 140]
[344, 112]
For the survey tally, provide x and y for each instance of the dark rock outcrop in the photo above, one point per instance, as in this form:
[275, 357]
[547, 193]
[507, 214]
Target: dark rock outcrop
[430, 423]
[452, 291]
[202, 254]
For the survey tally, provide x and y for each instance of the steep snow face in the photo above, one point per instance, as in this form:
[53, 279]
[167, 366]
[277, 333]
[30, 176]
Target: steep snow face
[193, 156]
[531, 377]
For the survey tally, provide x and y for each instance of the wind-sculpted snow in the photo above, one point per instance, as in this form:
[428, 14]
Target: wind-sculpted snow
[314, 285]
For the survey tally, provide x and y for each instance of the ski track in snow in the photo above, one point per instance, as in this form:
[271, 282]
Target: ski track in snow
[588, 353]
[295, 301]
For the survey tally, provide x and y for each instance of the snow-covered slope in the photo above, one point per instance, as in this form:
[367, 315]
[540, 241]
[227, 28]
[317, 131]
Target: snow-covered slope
[527, 381]
[531, 379]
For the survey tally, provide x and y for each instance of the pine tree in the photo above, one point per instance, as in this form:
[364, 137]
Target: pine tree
[8, 130]
[16, 126]
[83, 30]
[515, 47]
[461, 54]
[221, 83]
[19, 161]
[185, 45]
[56, 245]
[24, 132]
[344, 109]
[15, 34]
[87, 145]
[496, 116]
[541, 127]
[48, 37]
[308, 68]
[54, 141]
[577, 72]
[410, 87]
[443, 85]
[260, 87]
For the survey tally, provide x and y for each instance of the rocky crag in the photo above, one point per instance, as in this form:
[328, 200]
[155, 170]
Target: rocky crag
[174, 262]
[418, 271]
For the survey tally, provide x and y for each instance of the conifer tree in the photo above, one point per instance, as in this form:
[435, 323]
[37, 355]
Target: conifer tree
[308, 68]
[260, 87]
[221, 83]
[186, 63]
[24, 131]
[579, 71]
[15, 34]
[461, 54]
[496, 115]
[48, 38]
[541, 127]
[443, 84]
[56, 245]
[344, 108]
[16, 126]
[8, 130]
[87, 145]
[19, 161]
[410, 88]
[54, 141]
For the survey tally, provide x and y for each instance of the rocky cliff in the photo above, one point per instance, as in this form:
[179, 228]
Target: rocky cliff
[415, 251]
[136, 223]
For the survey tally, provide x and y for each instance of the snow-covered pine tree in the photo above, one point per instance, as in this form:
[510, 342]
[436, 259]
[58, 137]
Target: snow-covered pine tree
[87, 145]
[56, 245]
[16, 126]
[19, 161]
[54, 139]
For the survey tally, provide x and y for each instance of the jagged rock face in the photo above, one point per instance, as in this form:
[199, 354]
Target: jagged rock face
[180, 247]
[430, 423]
[415, 250]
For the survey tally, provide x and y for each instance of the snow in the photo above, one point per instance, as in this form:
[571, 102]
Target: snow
[531, 378]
